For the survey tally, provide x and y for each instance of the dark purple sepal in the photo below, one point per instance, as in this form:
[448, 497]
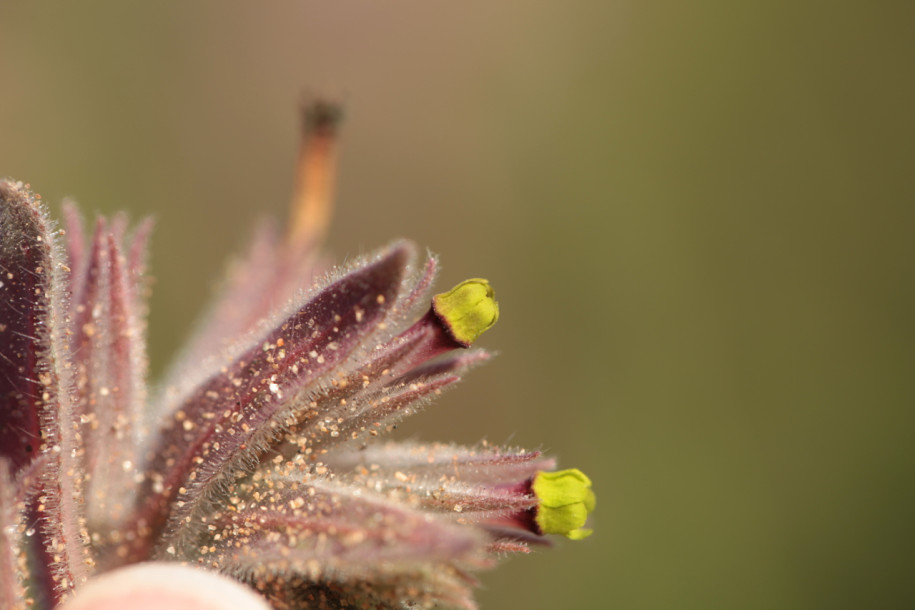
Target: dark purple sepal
[320, 534]
[36, 386]
[233, 416]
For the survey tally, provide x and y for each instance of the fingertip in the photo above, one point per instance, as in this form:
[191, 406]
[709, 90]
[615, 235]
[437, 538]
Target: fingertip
[154, 586]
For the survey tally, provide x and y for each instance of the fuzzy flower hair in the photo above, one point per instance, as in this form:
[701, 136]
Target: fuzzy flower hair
[258, 456]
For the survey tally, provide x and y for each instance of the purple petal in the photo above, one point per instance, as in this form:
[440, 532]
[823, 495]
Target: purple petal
[468, 484]
[25, 268]
[324, 533]
[371, 410]
[343, 528]
[229, 418]
[485, 464]
[109, 337]
[36, 386]
[91, 338]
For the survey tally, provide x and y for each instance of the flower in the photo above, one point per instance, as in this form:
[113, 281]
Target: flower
[257, 456]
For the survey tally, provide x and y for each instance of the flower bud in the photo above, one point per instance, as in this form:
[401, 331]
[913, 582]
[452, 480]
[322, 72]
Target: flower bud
[467, 310]
[565, 501]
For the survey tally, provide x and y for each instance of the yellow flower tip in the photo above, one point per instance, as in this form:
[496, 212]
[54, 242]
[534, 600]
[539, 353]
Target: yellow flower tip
[565, 501]
[467, 310]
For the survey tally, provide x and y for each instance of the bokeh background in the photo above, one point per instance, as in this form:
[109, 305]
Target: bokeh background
[698, 217]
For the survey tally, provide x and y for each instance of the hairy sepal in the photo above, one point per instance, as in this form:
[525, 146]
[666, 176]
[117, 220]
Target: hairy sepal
[484, 464]
[36, 387]
[286, 531]
[222, 426]
[483, 485]
[109, 336]
[385, 384]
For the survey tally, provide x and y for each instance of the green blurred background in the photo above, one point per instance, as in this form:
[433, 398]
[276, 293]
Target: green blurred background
[698, 217]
